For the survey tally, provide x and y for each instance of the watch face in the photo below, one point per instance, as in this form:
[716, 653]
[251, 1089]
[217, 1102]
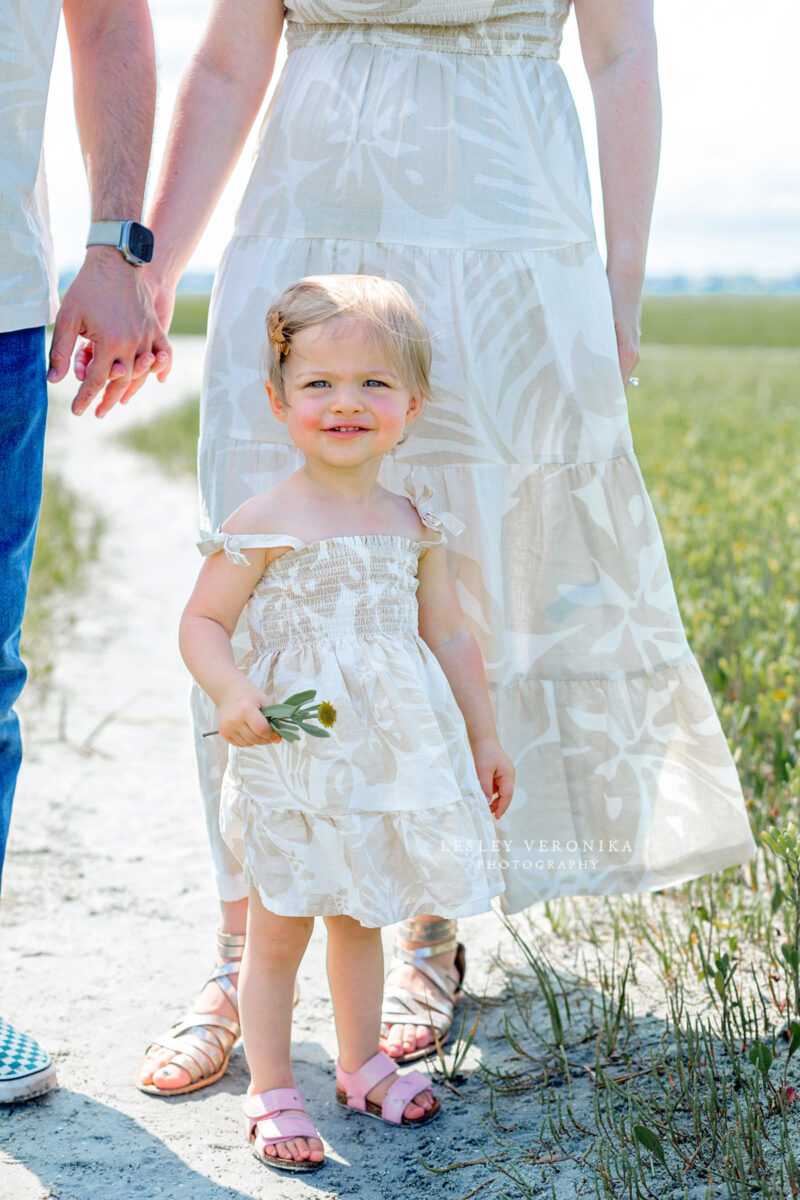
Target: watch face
[140, 241]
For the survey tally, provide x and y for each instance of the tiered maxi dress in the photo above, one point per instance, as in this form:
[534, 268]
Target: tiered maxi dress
[437, 144]
[385, 818]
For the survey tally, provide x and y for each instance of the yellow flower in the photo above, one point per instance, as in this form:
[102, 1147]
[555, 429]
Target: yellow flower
[326, 714]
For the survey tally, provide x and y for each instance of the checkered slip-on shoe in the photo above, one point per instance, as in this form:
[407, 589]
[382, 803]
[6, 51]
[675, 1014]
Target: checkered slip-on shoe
[26, 1069]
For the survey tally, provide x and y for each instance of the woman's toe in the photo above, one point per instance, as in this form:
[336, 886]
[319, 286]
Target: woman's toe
[394, 1041]
[170, 1077]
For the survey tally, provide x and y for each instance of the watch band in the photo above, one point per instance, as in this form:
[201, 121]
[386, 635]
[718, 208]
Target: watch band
[105, 233]
[133, 240]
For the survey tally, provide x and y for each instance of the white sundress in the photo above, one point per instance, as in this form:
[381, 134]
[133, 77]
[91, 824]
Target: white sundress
[386, 818]
[437, 144]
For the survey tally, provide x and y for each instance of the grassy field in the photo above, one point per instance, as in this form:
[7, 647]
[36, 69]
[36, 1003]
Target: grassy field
[667, 320]
[701, 1102]
[65, 545]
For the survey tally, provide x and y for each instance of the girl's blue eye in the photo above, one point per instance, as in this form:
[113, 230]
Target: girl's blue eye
[317, 383]
[376, 382]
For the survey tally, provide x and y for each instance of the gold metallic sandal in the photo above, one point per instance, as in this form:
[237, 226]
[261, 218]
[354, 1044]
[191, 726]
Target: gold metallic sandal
[433, 1005]
[202, 1043]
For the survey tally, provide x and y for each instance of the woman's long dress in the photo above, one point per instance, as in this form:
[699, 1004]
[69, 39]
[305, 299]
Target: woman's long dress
[449, 157]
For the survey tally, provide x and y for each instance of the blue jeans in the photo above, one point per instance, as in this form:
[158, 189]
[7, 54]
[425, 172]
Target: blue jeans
[23, 409]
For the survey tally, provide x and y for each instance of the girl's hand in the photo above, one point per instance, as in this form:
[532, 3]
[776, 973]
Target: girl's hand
[240, 720]
[496, 774]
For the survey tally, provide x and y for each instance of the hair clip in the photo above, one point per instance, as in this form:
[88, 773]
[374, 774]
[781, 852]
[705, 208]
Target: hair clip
[277, 336]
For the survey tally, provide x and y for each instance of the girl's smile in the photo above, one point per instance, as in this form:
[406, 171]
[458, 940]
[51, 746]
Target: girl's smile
[344, 403]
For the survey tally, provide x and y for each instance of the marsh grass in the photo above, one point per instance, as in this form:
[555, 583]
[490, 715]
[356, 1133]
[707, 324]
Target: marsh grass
[67, 541]
[170, 439]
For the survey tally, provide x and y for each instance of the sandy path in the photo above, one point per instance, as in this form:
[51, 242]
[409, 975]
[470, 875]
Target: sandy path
[104, 938]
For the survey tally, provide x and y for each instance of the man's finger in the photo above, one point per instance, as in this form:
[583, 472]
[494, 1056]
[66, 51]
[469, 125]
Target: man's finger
[95, 380]
[64, 337]
[114, 391]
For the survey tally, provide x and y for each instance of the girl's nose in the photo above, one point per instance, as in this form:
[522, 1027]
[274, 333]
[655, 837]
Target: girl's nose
[347, 399]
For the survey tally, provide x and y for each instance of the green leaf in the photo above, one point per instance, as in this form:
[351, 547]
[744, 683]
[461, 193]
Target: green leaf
[794, 1044]
[300, 698]
[760, 1056]
[702, 912]
[791, 955]
[313, 730]
[650, 1141]
[277, 710]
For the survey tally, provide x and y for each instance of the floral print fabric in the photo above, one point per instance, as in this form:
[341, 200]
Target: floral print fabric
[386, 818]
[461, 174]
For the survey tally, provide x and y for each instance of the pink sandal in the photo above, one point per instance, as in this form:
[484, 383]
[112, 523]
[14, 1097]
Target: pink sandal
[351, 1090]
[266, 1126]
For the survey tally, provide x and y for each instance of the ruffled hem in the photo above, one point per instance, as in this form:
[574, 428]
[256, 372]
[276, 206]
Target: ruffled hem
[378, 868]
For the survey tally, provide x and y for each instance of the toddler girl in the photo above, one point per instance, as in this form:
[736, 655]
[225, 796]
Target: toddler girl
[347, 592]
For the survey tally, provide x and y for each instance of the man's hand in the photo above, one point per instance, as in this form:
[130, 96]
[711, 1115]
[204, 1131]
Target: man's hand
[110, 305]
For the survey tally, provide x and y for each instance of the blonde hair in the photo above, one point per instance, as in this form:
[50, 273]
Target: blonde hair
[383, 306]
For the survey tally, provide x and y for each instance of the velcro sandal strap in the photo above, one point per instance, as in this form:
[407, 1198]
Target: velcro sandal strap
[358, 1083]
[404, 1089]
[266, 1104]
[266, 1120]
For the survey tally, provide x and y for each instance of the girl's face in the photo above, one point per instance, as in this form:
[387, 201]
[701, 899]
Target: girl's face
[344, 404]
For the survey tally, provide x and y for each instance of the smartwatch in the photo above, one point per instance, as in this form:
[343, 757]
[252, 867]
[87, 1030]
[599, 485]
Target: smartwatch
[134, 241]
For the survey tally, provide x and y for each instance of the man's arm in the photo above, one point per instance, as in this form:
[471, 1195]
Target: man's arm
[113, 67]
[618, 42]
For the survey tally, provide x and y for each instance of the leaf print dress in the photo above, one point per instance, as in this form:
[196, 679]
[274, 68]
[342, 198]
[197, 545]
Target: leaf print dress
[386, 818]
[437, 144]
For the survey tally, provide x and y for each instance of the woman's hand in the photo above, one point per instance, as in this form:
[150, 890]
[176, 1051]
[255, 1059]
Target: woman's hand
[495, 772]
[241, 721]
[626, 305]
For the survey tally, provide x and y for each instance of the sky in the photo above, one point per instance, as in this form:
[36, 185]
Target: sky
[728, 199]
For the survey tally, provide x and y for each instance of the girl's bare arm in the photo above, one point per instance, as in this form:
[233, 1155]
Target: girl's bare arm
[443, 627]
[206, 628]
[618, 42]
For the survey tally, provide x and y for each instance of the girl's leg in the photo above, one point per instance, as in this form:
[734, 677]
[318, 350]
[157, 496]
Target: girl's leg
[272, 953]
[355, 973]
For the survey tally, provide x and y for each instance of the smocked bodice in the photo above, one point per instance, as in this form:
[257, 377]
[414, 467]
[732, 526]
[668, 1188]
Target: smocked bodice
[359, 586]
[467, 26]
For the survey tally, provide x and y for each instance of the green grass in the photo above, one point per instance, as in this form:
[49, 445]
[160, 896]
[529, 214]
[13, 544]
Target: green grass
[721, 320]
[170, 439]
[667, 320]
[715, 432]
[66, 541]
[191, 314]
